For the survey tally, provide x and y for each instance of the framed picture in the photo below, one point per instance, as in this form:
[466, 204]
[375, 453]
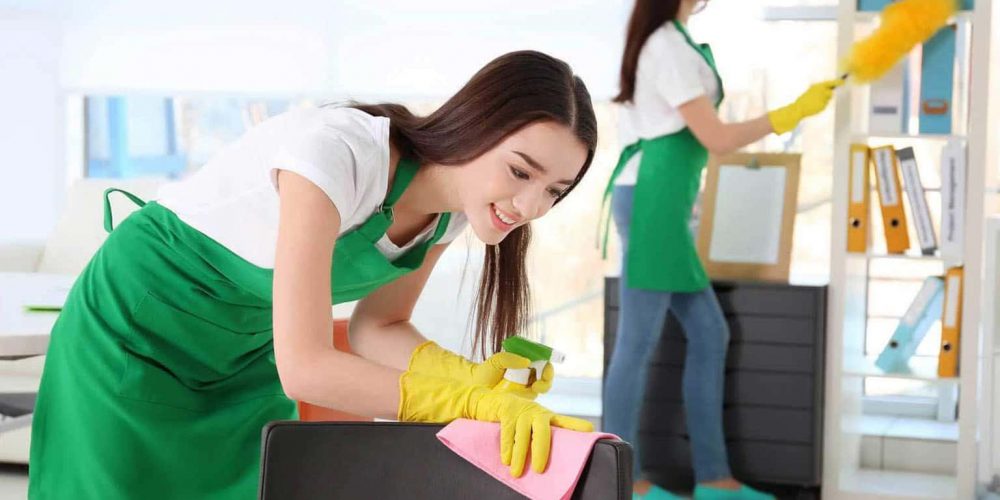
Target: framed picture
[748, 216]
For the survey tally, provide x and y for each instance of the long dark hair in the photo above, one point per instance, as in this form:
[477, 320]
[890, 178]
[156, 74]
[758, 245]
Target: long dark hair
[512, 91]
[647, 17]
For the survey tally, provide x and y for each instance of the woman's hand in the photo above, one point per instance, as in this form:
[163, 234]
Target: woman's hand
[524, 425]
[811, 102]
[432, 359]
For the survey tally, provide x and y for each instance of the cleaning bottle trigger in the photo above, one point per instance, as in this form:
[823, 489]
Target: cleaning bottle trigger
[538, 354]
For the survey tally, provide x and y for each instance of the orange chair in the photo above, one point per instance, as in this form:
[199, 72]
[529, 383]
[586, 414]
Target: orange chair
[313, 413]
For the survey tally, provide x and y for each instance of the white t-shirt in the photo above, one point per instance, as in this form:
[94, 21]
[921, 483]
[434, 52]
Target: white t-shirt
[233, 198]
[670, 73]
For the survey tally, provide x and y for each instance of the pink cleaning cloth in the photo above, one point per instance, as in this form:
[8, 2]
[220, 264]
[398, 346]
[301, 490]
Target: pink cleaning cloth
[479, 443]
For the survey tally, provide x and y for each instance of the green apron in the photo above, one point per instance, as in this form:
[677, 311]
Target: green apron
[160, 372]
[661, 251]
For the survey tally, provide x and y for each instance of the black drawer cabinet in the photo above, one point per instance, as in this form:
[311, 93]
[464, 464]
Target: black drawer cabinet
[773, 404]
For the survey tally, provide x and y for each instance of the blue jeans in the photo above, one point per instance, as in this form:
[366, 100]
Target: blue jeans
[640, 324]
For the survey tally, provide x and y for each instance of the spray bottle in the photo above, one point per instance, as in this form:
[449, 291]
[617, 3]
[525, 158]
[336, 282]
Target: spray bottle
[520, 380]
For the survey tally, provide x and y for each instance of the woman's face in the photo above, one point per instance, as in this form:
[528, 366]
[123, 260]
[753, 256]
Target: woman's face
[520, 179]
[695, 6]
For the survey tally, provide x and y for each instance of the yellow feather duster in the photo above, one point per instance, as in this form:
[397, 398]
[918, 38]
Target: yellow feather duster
[905, 23]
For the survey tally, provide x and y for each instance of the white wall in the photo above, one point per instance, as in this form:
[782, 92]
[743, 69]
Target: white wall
[374, 47]
[31, 130]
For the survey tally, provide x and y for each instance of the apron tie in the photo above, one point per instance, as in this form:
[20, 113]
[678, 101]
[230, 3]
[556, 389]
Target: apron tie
[108, 225]
[604, 225]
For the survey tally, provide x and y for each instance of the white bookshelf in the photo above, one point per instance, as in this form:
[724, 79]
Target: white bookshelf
[989, 414]
[866, 138]
[848, 366]
[872, 16]
[922, 369]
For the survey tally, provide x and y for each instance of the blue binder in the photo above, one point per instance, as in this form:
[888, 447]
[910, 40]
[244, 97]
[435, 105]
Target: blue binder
[878, 5]
[922, 313]
[936, 85]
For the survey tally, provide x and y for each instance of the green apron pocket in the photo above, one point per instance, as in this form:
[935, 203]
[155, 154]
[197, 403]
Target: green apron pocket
[182, 360]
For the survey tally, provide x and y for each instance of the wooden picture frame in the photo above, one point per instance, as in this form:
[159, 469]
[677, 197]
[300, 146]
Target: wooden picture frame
[748, 216]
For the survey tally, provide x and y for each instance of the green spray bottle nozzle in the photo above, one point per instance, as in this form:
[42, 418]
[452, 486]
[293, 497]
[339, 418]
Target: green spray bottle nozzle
[538, 354]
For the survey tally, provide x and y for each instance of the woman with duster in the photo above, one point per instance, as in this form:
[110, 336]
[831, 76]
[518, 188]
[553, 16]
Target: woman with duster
[206, 314]
[669, 92]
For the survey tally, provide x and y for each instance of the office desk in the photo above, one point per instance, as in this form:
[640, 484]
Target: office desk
[25, 333]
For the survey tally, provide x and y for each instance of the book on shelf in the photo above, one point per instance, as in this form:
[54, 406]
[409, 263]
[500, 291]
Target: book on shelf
[888, 111]
[918, 201]
[897, 238]
[937, 73]
[859, 199]
[953, 170]
[879, 5]
[913, 327]
[951, 323]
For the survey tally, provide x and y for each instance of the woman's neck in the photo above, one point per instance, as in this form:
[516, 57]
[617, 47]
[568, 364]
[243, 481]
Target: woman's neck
[432, 190]
[684, 13]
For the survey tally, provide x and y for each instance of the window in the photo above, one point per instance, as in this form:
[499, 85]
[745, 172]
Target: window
[158, 136]
[132, 137]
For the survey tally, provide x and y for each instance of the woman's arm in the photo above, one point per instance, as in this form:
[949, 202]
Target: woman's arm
[380, 325]
[718, 137]
[309, 367]
[723, 138]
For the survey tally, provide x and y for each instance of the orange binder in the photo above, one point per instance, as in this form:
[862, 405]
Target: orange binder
[890, 195]
[859, 199]
[951, 323]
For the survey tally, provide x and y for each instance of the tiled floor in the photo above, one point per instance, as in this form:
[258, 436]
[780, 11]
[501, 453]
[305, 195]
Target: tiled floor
[13, 482]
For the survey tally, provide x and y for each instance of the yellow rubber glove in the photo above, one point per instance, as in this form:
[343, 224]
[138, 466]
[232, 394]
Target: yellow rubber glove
[432, 359]
[524, 424]
[811, 102]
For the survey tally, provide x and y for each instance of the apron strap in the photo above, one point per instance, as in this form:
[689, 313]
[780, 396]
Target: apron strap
[379, 223]
[605, 221]
[405, 172]
[442, 227]
[705, 51]
[108, 226]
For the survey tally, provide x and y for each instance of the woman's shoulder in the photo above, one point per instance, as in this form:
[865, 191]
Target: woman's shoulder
[667, 37]
[350, 124]
[667, 46]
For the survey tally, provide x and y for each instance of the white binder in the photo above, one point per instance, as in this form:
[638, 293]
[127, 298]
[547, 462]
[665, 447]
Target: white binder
[887, 102]
[918, 201]
[913, 326]
[953, 168]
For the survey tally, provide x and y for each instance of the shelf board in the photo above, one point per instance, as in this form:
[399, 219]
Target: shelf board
[895, 279]
[884, 316]
[868, 16]
[905, 137]
[899, 485]
[801, 13]
[921, 369]
[910, 428]
[909, 255]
